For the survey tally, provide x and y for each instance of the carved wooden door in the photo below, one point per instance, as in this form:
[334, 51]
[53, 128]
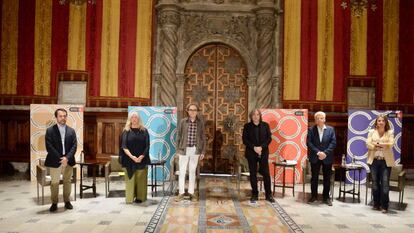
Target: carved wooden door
[216, 82]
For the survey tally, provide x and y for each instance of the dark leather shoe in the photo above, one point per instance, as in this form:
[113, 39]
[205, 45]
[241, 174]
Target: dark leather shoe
[53, 208]
[328, 202]
[270, 199]
[68, 206]
[138, 201]
[312, 199]
[254, 198]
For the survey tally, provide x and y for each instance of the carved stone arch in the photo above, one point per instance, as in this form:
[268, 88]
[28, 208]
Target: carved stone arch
[216, 80]
[244, 53]
[248, 58]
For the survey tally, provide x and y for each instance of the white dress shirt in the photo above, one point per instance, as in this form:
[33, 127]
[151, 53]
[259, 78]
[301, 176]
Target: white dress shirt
[320, 131]
[62, 131]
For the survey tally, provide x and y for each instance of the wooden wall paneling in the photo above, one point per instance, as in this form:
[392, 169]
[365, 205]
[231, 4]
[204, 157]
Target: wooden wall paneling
[14, 136]
[109, 129]
[90, 138]
[108, 133]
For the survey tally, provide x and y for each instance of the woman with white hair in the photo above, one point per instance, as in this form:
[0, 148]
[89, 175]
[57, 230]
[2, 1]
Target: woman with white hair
[135, 158]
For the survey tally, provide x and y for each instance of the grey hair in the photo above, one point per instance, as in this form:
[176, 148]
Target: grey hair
[319, 113]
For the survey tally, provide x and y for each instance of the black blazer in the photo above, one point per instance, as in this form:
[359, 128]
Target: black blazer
[249, 139]
[327, 145]
[54, 146]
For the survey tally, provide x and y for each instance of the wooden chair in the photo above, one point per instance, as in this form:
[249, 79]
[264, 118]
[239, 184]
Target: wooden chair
[175, 172]
[397, 183]
[43, 179]
[113, 170]
[243, 171]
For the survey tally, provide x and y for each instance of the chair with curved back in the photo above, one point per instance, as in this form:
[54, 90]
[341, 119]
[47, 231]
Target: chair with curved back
[175, 172]
[113, 170]
[43, 179]
[397, 183]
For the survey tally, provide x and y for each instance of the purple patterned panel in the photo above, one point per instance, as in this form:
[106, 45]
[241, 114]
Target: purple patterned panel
[359, 122]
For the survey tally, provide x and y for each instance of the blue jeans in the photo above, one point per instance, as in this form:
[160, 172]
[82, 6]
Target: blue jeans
[380, 183]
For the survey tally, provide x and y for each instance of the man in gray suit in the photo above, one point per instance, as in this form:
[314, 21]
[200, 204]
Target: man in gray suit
[321, 144]
[61, 146]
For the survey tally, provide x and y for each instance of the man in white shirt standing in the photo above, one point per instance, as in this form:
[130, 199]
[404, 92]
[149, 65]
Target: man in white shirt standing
[321, 144]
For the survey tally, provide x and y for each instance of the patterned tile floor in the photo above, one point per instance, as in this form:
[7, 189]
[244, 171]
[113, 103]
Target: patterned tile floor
[19, 212]
[219, 210]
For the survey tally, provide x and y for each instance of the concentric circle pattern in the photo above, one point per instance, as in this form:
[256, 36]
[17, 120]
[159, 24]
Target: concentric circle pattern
[359, 123]
[41, 118]
[161, 123]
[289, 129]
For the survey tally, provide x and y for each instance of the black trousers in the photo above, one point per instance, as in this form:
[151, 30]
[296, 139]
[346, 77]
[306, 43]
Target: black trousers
[253, 160]
[326, 171]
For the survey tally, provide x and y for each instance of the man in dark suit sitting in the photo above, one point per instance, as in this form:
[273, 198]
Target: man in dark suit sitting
[321, 143]
[61, 148]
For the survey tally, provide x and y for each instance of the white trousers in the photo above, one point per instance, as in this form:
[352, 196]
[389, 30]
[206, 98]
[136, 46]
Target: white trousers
[190, 159]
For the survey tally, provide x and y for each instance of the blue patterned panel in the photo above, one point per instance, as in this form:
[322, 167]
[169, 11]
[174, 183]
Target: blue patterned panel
[359, 122]
[161, 123]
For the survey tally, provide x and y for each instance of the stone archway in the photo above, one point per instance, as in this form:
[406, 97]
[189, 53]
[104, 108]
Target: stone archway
[246, 25]
[216, 81]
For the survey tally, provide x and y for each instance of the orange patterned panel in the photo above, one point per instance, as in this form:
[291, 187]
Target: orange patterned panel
[289, 132]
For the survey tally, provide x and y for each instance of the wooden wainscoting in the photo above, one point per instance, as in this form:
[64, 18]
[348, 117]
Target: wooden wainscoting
[102, 133]
[15, 136]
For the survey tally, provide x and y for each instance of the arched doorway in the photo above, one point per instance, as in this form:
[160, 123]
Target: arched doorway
[216, 81]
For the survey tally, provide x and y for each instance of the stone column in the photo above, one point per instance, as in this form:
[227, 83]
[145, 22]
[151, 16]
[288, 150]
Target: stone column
[156, 89]
[180, 94]
[265, 24]
[251, 83]
[169, 20]
[277, 73]
[276, 103]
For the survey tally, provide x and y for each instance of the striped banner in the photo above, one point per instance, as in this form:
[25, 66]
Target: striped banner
[316, 57]
[325, 43]
[111, 40]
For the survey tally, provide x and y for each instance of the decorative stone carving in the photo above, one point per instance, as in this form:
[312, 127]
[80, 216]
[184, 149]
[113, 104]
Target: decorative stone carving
[276, 92]
[199, 26]
[252, 81]
[247, 25]
[169, 21]
[169, 18]
[219, 2]
[265, 25]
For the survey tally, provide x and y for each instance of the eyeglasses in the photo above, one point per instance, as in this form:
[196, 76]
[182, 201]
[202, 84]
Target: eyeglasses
[192, 110]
